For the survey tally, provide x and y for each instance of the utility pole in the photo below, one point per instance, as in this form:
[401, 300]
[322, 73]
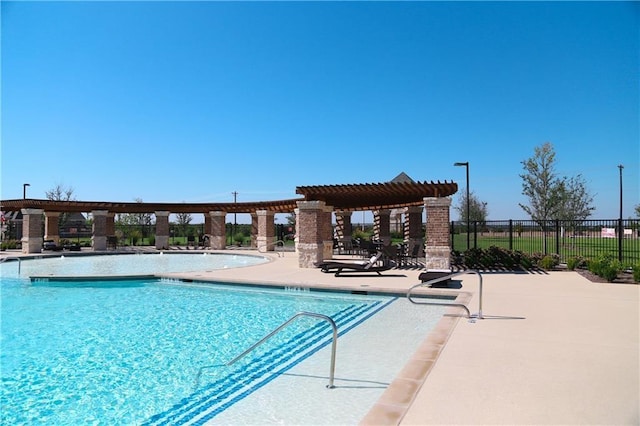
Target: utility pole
[620, 227]
[466, 165]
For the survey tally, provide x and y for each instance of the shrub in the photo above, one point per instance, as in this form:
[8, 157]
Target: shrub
[606, 267]
[496, 257]
[635, 269]
[547, 263]
[576, 262]
[9, 244]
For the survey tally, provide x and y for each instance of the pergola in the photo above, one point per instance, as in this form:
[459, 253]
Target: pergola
[367, 196]
[313, 218]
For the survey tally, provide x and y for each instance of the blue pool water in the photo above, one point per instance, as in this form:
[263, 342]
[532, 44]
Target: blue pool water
[128, 264]
[148, 351]
[129, 352]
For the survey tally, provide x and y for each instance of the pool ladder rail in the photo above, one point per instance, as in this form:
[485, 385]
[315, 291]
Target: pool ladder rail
[332, 367]
[6, 259]
[275, 244]
[469, 316]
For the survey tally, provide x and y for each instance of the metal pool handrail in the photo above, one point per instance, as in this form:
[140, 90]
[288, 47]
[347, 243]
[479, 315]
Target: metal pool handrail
[5, 259]
[284, 324]
[274, 244]
[447, 277]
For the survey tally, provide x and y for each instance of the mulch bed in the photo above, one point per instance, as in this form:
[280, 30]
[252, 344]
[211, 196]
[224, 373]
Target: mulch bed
[622, 278]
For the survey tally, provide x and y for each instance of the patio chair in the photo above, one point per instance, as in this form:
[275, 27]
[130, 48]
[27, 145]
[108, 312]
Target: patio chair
[377, 264]
[395, 253]
[415, 252]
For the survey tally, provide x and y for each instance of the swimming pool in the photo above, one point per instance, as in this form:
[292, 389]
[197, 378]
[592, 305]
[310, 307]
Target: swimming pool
[127, 264]
[150, 351]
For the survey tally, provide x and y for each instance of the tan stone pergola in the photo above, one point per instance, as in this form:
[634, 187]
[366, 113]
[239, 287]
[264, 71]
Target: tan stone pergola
[314, 236]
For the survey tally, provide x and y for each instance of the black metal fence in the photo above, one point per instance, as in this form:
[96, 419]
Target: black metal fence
[586, 238]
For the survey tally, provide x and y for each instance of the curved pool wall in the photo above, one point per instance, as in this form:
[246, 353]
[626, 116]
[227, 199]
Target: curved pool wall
[135, 264]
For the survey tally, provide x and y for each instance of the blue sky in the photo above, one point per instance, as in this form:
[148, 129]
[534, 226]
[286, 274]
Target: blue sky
[192, 101]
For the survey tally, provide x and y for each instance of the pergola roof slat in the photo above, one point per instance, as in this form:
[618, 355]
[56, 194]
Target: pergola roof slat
[368, 196]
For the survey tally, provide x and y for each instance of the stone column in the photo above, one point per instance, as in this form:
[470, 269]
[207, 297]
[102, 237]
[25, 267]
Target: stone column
[438, 242]
[254, 230]
[397, 220]
[343, 229]
[218, 240]
[111, 224]
[382, 225]
[31, 230]
[266, 230]
[162, 230]
[327, 233]
[413, 228]
[99, 237]
[310, 218]
[296, 232]
[207, 228]
[51, 223]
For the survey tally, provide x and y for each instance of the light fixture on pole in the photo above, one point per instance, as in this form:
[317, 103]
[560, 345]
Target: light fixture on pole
[24, 190]
[233, 234]
[466, 165]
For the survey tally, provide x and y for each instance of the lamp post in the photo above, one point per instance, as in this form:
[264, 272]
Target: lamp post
[620, 227]
[24, 190]
[233, 234]
[466, 165]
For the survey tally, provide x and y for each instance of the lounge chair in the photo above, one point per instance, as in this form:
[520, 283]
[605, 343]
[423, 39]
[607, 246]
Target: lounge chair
[51, 245]
[377, 264]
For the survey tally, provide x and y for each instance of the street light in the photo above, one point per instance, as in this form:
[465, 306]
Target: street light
[466, 165]
[24, 190]
[233, 233]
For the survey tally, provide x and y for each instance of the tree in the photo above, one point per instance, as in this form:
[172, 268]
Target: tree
[477, 209]
[637, 209]
[61, 193]
[551, 197]
[129, 221]
[540, 185]
[575, 199]
[183, 220]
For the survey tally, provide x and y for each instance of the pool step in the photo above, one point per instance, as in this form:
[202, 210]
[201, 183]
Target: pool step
[214, 398]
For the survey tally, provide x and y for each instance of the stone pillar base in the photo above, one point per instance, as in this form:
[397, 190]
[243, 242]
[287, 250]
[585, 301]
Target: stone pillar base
[31, 245]
[327, 250]
[309, 254]
[99, 243]
[218, 242]
[162, 242]
[438, 257]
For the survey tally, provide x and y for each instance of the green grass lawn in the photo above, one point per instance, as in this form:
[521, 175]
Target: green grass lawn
[587, 247]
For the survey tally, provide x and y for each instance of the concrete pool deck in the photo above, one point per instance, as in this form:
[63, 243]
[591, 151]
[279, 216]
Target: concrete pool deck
[553, 348]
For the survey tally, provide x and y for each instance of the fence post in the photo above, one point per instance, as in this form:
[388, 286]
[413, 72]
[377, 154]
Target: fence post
[475, 234]
[452, 232]
[620, 238]
[510, 234]
[558, 237]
